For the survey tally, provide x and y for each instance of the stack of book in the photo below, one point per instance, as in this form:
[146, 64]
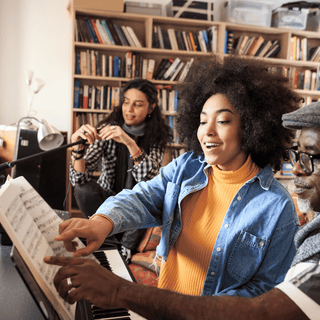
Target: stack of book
[105, 32]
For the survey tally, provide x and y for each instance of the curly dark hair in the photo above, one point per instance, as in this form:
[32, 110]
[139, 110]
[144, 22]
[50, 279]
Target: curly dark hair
[156, 127]
[258, 91]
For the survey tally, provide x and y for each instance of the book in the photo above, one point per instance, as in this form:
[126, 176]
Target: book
[255, 47]
[32, 225]
[134, 37]
[307, 80]
[144, 68]
[105, 26]
[91, 30]
[230, 42]
[213, 37]
[166, 39]
[96, 31]
[76, 94]
[159, 67]
[167, 75]
[155, 38]
[243, 44]
[104, 36]
[114, 33]
[265, 48]
[172, 39]
[252, 45]
[248, 45]
[196, 41]
[151, 65]
[270, 51]
[180, 40]
[202, 43]
[164, 69]
[225, 42]
[129, 64]
[85, 96]
[161, 43]
[273, 51]
[177, 71]
[128, 36]
[85, 34]
[121, 35]
[184, 36]
[185, 70]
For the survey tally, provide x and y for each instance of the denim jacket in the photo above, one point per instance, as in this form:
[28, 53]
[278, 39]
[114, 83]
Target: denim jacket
[254, 247]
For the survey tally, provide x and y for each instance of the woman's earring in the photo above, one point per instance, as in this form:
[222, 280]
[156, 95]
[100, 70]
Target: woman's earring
[149, 115]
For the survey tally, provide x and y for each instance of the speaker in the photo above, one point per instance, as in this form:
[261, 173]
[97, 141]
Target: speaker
[47, 174]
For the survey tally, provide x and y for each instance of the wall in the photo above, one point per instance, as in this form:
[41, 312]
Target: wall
[36, 35]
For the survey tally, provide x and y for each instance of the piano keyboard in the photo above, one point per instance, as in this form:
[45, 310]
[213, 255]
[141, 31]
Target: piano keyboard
[113, 261]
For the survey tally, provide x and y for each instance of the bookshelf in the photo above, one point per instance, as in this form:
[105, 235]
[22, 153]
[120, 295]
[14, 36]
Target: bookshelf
[145, 28]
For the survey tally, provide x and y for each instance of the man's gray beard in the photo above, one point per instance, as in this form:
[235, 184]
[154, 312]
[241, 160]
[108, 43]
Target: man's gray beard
[304, 205]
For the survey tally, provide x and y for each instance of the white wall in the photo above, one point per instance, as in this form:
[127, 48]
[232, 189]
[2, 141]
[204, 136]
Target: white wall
[36, 35]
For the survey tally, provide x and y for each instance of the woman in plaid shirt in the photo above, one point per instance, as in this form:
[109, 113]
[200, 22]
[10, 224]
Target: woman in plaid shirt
[128, 145]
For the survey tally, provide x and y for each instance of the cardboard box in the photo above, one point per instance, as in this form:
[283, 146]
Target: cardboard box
[252, 12]
[153, 9]
[110, 5]
[200, 10]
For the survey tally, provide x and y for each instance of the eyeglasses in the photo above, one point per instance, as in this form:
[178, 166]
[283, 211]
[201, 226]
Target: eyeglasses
[305, 159]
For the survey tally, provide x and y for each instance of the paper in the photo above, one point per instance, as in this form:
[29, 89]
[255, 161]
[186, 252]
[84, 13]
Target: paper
[32, 225]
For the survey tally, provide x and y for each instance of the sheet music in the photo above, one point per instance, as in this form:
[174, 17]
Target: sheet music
[32, 225]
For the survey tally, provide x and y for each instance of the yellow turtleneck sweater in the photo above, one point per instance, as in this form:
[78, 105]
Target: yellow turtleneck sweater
[202, 214]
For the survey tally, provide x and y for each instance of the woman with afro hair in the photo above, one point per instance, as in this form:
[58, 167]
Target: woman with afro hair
[227, 223]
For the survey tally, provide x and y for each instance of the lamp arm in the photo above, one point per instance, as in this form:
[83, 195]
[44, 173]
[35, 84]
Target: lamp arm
[40, 154]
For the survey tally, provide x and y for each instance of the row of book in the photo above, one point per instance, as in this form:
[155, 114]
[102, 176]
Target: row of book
[169, 38]
[105, 31]
[167, 98]
[133, 65]
[82, 118]
[248, 45]
[95, 97]
[95, 63]
[303, 80]
[107, 97]
[301, 50]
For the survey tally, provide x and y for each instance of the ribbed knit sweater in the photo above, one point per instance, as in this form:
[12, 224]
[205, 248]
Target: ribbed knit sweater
[202, 214]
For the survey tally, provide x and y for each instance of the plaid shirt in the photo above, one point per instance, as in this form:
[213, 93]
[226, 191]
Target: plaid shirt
[105, 152]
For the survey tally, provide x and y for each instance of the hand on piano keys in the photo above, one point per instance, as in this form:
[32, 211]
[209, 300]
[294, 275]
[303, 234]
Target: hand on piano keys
[95, 231]
[93, 283]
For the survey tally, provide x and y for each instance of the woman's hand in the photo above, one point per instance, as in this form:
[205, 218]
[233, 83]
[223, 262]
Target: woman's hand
[94, 231]
[85, 132]
[117, 134]
[90, 281]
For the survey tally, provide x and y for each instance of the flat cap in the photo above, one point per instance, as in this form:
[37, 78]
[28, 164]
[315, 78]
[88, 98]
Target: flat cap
[307, 116]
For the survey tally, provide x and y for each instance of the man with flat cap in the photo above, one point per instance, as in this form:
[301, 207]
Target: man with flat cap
[298, 297]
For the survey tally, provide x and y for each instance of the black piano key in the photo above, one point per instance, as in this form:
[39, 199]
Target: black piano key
[99, 313]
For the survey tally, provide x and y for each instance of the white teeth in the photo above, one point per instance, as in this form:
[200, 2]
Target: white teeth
[211, 144]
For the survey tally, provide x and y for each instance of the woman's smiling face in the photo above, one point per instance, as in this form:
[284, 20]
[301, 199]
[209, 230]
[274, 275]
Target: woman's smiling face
[220, 134]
